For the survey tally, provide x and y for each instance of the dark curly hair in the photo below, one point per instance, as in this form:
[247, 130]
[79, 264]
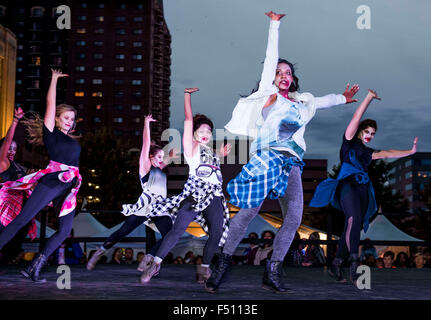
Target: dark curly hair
[365, 124]
[154, 148]
[200, 119]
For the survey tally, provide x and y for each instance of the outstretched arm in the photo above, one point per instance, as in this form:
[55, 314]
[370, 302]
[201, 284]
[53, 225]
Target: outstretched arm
[384, 154]
[331, 100]
[144, 159]
[49, 119]
[271, 57]
[354, 123]
[4, 161]
[188, 122]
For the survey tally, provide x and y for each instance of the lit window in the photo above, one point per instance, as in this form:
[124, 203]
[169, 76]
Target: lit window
[118, 120]
[82, 18]
[98, 106]
[120, 43]
[119, 94]
[101, 5]
[100, 18]
[137, 94]
[98, 68]
[19, 70]
[80, 68]
[119, 69]
[140, 6]
[80, 81]
[137, 44]
[137, 120]
[98, 56]
[81, 30]
[120, 19]
[138, 19]
[120, 31]
[136, 107]
[119, 81]
[120, 56]
[80, 43]
[35, 60]
[136, 82]
[408, 187]
[19, 81]
[97, 120]
[97, 81]
[98, 43]
[137, 57]
[37, 12]
[137, 69]
[79, 93]
[137, 31]
[97, 94]
[19, 58]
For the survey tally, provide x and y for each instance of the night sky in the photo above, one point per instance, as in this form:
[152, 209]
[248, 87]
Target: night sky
[219, 46]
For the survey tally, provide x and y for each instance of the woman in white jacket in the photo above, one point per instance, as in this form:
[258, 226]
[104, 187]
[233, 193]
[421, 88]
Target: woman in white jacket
[275, 116]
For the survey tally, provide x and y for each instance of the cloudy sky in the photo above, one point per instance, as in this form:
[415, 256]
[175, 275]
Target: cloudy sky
[219, 45]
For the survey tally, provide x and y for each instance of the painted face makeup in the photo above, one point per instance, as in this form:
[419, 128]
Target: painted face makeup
[283, 77]
[157, 159]
[65, 121]
[203, 134]
[12, 151]
[367, 134]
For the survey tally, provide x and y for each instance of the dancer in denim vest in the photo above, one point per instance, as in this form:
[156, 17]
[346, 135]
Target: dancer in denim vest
[59, 182]
[352, 191]
[275, 115]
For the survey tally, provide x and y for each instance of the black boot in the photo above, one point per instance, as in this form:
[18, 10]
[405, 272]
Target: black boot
[354, 264]
[272, 277]
[335, 270]
[33, 270]
[219, 271]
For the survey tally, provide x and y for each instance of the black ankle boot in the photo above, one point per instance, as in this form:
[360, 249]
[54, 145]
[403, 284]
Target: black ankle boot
[335, 270]
[354, 264]
[218, 272]
[33, 271]
[272, 277]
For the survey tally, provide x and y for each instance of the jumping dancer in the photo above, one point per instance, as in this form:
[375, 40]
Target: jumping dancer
[153, 182]
[202, 199]
[11, 201]
[58, 182]
[352, 192]
[275, 116]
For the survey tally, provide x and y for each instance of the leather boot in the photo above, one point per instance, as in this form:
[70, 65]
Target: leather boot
[91, 264]
[202, 274]
[335, 270]
[218, 272]
[145, 263]
[354, 264]
[272, 277]
[33, 270]
[153, 270]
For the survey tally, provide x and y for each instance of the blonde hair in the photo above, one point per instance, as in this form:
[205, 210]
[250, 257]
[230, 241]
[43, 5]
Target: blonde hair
[34, 126]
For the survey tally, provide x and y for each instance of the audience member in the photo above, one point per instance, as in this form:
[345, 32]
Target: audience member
[369, 260]
[418, 260]
[262, 253]
[117, 256]
[139, 256]
[69, 252]
[427, 257]
[379, 263]
[189, 258]
[388, 260]
[179, 260]
[294, 256]
[402, 260]
[250, 252]
[368, 248]
[314, 255]
[128, 256]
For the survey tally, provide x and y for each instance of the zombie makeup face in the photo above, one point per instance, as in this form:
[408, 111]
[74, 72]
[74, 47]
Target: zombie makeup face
[203, 134]
[367, 134]
[283, 77]
[12, 151]
[157, 159]
[65, 121]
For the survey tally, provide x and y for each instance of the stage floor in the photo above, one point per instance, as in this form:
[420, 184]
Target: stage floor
[177, 282]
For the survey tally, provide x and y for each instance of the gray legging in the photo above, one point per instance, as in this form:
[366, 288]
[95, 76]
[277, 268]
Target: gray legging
[291, 207]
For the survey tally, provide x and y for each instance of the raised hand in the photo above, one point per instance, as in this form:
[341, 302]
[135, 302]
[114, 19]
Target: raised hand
[149, 118]
[58, 73]
[274, 16]
[350, 93]
[415, 142]
[373, 95]
[225, 149]
[18, 113]
[190, 90]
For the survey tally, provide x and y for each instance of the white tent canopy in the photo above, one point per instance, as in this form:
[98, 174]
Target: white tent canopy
[85, 225]
[382, 229]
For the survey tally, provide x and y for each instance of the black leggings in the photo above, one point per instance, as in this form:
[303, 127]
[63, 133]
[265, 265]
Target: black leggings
[213, 215]
[163, 224]
[48, 189]
[354, 202]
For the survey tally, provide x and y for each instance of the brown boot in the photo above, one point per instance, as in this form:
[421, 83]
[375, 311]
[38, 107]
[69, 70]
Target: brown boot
[91, 264]
[202, 274]
[145, 263]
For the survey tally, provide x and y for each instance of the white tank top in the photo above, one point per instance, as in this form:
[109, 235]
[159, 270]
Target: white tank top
[205, 165]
